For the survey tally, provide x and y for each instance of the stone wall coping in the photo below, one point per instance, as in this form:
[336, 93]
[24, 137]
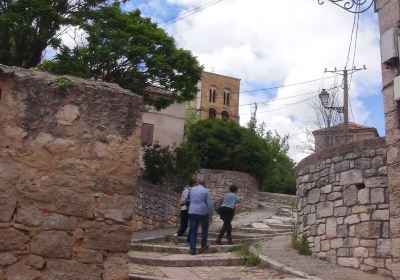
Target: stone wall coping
[49, 77]
[342, 149]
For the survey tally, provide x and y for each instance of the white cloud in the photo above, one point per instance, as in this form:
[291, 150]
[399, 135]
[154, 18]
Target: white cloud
[280, 42]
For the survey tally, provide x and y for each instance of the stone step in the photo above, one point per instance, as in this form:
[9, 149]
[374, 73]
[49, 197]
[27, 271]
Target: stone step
[133, 276]
[264, 231]
[180, 249]
[184, 260]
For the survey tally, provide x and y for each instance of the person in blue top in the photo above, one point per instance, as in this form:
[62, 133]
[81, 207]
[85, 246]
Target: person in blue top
[230, 203]
[200, 212]
[184, 215]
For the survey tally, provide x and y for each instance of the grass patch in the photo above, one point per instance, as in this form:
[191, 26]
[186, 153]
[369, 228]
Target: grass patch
[243, 249]
[63, 82]
[301, 245]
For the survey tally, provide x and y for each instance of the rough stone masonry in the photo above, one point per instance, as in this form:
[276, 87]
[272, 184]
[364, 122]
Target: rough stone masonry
[68, 171]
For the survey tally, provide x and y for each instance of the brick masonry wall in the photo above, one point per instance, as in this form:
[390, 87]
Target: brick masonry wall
[154, 207]
[342, 206]
[389, 15]
[219, 181]
[68, 171]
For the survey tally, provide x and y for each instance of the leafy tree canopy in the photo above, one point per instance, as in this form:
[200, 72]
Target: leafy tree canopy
[228, 146]
[27, 27]
[128, 49]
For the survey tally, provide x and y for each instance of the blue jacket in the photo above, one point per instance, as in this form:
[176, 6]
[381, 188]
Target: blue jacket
[200, 201]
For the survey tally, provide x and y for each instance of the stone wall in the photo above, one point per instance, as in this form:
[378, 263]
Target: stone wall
[155, 207]
[342, 205]
[219, 181]
[389, 16]
[277, 199]
[68, 165]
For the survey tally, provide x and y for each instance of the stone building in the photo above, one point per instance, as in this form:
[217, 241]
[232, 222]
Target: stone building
[389, 18]
[218, 97]
[333, 136]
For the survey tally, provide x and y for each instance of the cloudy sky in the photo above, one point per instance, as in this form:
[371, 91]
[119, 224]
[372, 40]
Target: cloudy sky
[269, 43]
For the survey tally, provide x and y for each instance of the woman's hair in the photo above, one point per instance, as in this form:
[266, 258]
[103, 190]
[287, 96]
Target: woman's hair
[192, 182]
[233, 188]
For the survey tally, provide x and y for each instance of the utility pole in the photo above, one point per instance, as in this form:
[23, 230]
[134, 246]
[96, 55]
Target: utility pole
[345, 73]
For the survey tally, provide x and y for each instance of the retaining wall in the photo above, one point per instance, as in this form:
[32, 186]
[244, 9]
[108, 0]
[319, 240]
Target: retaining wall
[68, 171]
[342, 205]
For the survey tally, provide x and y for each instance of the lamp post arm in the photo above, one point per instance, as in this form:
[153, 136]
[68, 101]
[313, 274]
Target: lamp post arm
[351, 6]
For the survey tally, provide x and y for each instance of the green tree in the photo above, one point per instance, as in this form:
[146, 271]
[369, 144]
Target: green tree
[28, 27]
[131, 50]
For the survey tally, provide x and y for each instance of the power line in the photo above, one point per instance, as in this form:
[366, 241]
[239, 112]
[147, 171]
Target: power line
[289, 85]
[189, 13]
[288, 105]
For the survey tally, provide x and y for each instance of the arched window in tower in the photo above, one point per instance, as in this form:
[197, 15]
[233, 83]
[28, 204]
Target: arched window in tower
[225, 115]
[226, 96]
[212, 113]
[213, 95]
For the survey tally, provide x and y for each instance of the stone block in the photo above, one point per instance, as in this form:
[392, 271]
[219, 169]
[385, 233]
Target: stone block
[367, 268]
[326, 189]
[375, 262]
[12, 239]
[89, 256]
[115, 207]
[338, 203]
[325, 245]
[334, 196]
[377, 195]
[72, 270]
[378, 161]
[382, 171]
[321, 229]
[351, 177]
[394, 225]
[52, 244]
[340, 220]
[365, 217]
[381, 215]
[336, 243]
[359, 209]
[34, 261]
[60, 222]
[7, 258]
[340, 211]
[324, 209]
[370, 172]
[348, 262]
[343, 252]
[331, 231]
[7, 206]
[352, 231]
[19, 271]
[360, 252]
[313, 196]
[59, 145]
[350, 195]
[376, 182]
[362, 163]
[74, 203]
[351, 242]
[394, 204]
[30, 215]
[311, 218]
[67, 114]
[101, 236]
[342, 166]
[363, 196]
[371, 229]
[384, 248]
[352, 219]
[116, 267]
[342, 231]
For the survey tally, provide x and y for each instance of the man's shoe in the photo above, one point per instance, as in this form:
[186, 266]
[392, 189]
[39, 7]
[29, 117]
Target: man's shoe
[204, 248]
[230, 242]
[192, 252]
[176, 234]
[218, 242]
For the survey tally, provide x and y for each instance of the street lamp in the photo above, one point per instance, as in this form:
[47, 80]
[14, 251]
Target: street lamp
[324, 97]
[352, 6]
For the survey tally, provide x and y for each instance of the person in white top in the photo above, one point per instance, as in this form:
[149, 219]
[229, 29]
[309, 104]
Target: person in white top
[184, 216]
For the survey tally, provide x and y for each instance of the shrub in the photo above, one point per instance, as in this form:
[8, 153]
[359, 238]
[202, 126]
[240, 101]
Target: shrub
[301, 246]
[64, 83]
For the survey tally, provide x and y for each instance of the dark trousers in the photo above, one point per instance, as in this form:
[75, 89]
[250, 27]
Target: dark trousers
[194, 221]
[226, 215]
[184, 219]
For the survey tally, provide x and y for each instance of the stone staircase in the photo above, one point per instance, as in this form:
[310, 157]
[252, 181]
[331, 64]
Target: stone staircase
[167, 257]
